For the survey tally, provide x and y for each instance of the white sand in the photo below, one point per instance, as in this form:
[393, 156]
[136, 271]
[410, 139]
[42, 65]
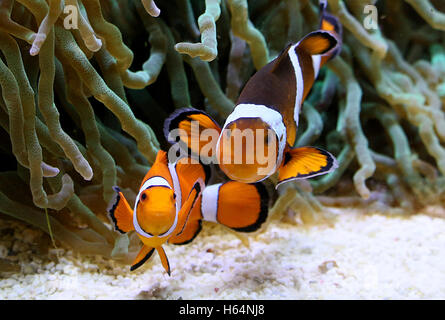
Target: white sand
[360, 257]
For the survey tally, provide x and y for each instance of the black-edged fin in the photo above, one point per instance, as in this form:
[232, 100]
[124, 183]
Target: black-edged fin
[263, 211]
[164, 259]
[120, 212]
[318, 42]
[305, 162]
[186, 120]
[243, 214]
[191, 230]
[188, 205]
[280, 58]
[144, 254]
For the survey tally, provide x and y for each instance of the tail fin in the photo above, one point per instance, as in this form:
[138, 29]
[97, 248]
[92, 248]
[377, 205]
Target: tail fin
[331, 23]
[184, 120]
[239, 206]
[121, 214]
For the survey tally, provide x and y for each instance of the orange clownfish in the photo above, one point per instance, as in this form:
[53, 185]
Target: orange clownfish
[270, 102]
[173, 200]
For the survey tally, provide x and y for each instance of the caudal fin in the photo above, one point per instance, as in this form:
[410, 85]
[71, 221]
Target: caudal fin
[120, 212]
[181, 126]
[239, 206]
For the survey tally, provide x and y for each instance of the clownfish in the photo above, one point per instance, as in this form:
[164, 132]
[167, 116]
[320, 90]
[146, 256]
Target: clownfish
[269, 102]
[173, 200]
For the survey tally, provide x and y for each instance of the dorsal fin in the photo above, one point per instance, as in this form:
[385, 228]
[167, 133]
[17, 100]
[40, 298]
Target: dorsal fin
[159, 168]
[278, 60]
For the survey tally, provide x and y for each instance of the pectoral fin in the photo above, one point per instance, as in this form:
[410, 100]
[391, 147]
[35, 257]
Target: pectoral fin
[187, 207]
[305, 162]
[144, 254]
[121, 213]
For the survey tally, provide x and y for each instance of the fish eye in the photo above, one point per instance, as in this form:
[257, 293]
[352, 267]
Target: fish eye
[144, 196]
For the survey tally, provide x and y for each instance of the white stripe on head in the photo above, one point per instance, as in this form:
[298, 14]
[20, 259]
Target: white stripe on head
[270, 116]
[299, 80]
[176, 185]
[316, 62]
[209, 202]
[152, 182]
